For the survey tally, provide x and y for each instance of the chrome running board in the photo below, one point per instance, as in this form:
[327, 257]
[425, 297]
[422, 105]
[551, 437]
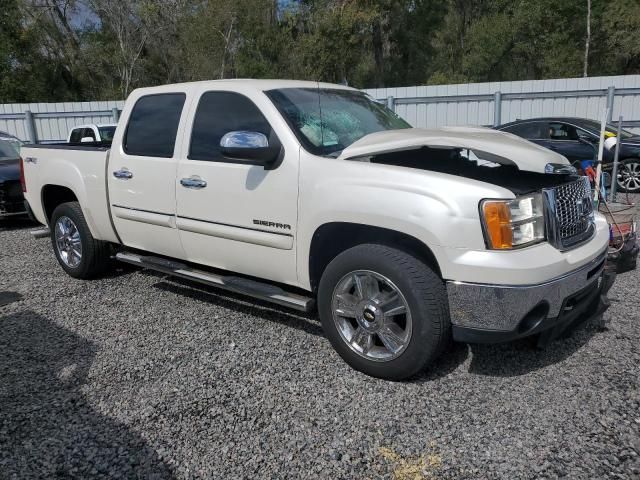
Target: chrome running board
[40, 232]
[262, 291]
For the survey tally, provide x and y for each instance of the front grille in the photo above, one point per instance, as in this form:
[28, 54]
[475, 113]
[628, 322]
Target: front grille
[570, 213]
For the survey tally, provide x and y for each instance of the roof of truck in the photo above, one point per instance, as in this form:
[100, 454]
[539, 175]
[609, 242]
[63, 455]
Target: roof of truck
[258, 84]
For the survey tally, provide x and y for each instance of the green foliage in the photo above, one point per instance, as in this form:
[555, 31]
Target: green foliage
[54, 50]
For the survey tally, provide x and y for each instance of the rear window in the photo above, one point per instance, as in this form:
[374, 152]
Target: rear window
[153, 125]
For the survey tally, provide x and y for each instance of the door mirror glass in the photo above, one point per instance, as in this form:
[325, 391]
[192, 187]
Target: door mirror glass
[249, 146]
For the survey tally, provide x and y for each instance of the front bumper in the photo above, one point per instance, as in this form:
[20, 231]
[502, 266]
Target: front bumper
[482, 313]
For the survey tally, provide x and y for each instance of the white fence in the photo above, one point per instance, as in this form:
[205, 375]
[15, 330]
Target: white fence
[501, 102]
[50, 122]
[431, 106]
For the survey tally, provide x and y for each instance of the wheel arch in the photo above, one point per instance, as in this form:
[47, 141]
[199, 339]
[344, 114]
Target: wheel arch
[331, 239]
[53, 195]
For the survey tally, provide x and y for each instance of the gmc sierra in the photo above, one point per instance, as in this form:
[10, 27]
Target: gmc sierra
[305, 194]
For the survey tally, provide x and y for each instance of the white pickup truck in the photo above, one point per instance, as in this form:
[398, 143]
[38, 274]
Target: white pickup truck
[305, 194]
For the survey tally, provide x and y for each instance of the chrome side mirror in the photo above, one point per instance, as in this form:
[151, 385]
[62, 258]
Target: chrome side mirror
[244, 139]
[250, 147]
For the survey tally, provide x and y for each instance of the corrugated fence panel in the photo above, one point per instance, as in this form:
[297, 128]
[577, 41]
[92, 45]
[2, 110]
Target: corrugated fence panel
[422, 106]
[53, 121]
[474, 103]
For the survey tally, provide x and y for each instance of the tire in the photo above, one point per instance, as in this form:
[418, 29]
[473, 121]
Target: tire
[70, 236]
[363, 339]
[629, 176]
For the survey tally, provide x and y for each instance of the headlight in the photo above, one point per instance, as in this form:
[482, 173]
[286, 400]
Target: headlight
[513, 223]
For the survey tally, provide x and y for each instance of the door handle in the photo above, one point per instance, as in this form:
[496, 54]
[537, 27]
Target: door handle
[193, 182]
[123, 174]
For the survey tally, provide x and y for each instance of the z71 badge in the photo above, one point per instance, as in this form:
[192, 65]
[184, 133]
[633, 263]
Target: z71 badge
[266, 223]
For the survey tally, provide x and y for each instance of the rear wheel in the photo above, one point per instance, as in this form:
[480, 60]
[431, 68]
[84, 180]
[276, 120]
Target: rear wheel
[384, 311]
[79, 254]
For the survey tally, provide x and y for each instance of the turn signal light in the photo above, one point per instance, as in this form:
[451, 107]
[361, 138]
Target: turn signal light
[497, 217]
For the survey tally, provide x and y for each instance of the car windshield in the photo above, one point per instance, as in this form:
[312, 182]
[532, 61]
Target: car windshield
[7, 150]
[326, 121]
[106, 133]
[594, 127]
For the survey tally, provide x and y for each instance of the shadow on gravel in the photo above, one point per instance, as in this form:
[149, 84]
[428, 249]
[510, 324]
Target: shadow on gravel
[307, 322]
[47, 428]
[522, 357]
[18, 223]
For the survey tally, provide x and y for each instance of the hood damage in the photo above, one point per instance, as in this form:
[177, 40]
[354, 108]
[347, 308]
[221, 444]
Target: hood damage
[482, 154]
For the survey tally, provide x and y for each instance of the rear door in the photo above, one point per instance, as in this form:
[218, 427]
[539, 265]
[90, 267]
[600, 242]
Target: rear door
[142, 174]
[242, 217]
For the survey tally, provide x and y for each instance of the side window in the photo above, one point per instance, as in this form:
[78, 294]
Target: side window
[88, 132]
[76, 135]
[153, 125]
[562, 131]
[219, 113]
[530, 130]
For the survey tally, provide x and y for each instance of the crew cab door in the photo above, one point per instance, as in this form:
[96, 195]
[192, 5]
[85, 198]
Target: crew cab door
[142, 174]
[232, 213]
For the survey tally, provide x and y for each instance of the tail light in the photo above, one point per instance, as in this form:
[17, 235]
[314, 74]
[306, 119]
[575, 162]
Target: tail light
[23, 181]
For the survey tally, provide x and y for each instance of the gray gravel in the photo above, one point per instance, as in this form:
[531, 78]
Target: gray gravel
[139, 376]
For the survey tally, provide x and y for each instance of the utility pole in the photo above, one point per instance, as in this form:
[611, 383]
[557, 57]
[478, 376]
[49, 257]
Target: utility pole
[587, 41]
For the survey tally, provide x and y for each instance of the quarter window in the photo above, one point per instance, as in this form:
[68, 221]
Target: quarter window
[219, 113]
[153, 125]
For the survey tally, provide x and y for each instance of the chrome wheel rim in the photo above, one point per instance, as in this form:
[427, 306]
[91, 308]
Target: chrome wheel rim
[371, 315]
[68, 242]
[629, 177]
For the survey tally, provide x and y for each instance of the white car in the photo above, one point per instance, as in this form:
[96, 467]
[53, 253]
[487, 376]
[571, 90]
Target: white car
[306, 194]
[102, 132]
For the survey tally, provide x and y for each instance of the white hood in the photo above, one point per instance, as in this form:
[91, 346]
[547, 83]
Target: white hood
[508, 148]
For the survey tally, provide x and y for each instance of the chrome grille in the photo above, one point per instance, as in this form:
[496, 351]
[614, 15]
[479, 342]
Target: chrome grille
[571, 213]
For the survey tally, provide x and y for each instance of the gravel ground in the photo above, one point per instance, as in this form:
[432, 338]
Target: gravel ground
[140, 376]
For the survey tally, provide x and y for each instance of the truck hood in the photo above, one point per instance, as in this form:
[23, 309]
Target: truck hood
[502, 147]
[9, 170]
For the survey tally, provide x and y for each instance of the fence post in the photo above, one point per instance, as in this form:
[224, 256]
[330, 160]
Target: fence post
[497, 109]
[611, 92]
[115, 114]
[31, 126]
[391, 103]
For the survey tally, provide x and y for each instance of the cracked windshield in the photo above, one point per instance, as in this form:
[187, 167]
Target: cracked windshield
[327, 121]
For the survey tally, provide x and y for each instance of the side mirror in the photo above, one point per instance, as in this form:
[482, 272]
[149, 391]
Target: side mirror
[86, 139]
[252, 147]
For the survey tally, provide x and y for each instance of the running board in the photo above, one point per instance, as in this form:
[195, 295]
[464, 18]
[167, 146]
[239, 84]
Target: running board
[262, 291]
[40, 232]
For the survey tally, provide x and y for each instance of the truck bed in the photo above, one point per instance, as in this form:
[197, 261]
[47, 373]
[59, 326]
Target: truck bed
[77, 168]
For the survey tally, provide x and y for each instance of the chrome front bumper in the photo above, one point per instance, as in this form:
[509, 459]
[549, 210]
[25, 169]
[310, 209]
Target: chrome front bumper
[517, 308]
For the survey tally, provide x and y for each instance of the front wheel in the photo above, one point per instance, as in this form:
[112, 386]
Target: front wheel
[79, 254]
[629, 177]
[384, 311]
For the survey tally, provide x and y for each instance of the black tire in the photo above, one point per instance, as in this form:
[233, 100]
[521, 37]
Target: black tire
[95, 258]
[425, 295]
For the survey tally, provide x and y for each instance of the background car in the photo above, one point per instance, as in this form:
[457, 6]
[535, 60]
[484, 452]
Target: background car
[577, 139]
[11, 197]
[92, 133]
[13, 140]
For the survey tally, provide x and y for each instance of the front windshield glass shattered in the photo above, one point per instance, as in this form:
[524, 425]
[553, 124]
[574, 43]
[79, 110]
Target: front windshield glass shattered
[327, 121]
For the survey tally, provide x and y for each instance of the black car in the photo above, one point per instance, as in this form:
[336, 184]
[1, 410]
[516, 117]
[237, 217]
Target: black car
[577, 139]
[11, 198]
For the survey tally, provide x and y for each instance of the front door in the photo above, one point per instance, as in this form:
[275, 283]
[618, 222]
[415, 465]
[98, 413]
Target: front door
[564, 139]
[142, 175]
[232, 214]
